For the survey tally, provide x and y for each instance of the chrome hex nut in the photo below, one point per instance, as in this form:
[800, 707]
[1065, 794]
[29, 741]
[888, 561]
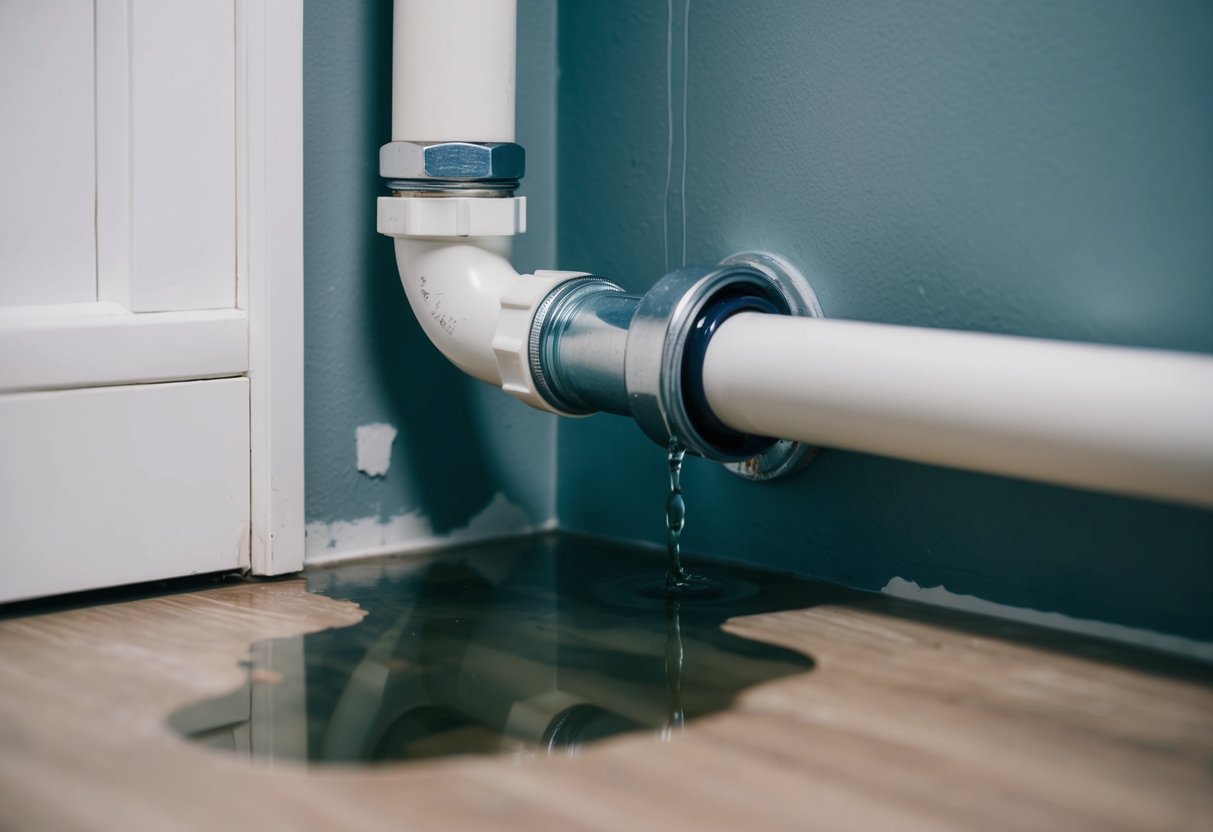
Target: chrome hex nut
[462, 161]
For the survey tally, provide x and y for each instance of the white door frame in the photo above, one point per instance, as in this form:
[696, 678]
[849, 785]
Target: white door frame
[269, 246]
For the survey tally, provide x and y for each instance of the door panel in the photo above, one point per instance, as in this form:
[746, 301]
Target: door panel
[47, 237]
[183, 155]
[122, 484]
[166, 151]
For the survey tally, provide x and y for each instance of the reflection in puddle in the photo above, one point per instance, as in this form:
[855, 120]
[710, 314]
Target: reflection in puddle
[524, 647]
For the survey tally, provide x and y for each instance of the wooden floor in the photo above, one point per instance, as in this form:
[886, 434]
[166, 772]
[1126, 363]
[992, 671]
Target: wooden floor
[911, 720]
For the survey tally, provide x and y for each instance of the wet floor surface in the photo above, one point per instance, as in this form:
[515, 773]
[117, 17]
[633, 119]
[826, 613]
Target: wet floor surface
[911, 718]
[528, 647]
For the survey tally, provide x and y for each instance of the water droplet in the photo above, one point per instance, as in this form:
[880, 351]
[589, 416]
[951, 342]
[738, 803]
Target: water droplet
[676, 577]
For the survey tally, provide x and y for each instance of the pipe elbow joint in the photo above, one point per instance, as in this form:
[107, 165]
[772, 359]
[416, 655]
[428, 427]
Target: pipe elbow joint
[475, 308]
[453, 253]
[455, 290]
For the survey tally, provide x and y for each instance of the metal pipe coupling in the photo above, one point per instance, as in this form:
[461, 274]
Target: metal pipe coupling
[594, 348]
[669, 336]
[452, 168]
[578, 343]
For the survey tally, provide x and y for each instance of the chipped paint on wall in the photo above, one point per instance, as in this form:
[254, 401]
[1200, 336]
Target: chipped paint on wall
[408, 532]
[374, 445]
[939, 596]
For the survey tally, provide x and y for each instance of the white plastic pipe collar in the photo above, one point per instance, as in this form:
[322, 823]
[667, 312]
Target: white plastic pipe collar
[516, 327]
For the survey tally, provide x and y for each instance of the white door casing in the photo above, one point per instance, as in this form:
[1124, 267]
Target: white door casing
[269, 234]
[177, 124]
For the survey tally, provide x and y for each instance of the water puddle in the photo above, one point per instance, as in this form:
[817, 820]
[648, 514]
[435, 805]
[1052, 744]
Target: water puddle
[528, 647]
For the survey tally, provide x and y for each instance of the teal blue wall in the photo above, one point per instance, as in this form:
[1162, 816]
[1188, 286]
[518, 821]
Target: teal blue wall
[1037, 167]
[460, 442]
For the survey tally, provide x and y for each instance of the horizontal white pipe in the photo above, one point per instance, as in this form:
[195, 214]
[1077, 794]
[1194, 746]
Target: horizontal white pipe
[453, 70]
[1130, 421]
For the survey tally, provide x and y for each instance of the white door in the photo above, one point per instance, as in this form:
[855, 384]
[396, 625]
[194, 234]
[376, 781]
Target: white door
[145, 400]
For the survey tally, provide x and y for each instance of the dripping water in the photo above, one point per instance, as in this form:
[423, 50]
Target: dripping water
[676, 577]
[680, 584]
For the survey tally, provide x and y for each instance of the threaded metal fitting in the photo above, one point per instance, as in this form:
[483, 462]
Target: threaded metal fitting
[436, 168]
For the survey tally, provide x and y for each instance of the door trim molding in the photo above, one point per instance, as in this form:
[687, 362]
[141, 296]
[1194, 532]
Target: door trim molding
[269, 195]
[103, 344]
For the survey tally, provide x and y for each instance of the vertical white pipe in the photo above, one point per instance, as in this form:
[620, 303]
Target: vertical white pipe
[1130, 421]
[453, 70]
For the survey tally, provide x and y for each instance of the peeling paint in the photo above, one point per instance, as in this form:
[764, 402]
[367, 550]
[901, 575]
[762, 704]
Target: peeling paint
[371, 536]
[374, 443]
[941, 597]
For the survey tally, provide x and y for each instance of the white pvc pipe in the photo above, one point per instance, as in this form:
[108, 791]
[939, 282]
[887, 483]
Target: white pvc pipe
[1130, 421]
[455, 290]
[453, 70]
